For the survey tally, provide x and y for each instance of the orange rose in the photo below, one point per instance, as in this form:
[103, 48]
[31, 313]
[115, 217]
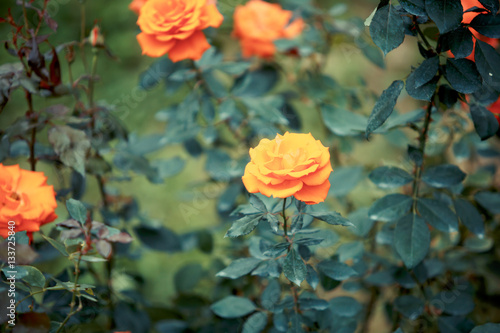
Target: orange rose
[175, 27]
[258, 24]
[292, 164]
[467, 18]
[26, 199]
[136, 5]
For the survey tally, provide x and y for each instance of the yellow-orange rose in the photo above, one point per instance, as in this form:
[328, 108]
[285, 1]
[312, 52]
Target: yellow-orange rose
[258, 24]
[25, 199]
[292, 164]
[175, 27]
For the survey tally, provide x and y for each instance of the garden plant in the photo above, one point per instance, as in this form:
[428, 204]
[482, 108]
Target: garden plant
[250, 166]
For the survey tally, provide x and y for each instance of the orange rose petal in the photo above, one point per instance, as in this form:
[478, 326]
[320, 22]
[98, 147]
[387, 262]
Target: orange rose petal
[251, 182]
[210, 17]
[190, 48]
[312, 195]
[153, 47]
[318, 177]
[294, 29]
[283, 190]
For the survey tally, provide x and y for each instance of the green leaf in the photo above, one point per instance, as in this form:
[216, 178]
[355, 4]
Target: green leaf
[426, 71]
[487, 60]
[371, 52]
[255, 323]
[469, 216]
[244, 226]
[71, 145]
[486, 328]
[387, 28]
[409, 306]
[342, 122]
[491, 5]
[423, 92]
[294, 268]
[384, 107]
[57, 245]
[255, 83]
[391, 207]
[446, 14]
[93, 259]
[362, 224]
[312, 277]
[332, 218]
[463, 75]
[437, 214]
[271, 295]
[388, 177]
[412, 239]
[344, 180]
[170, 167]
[77, 210]
[336, 270]
[187, 277]
[233, 307]
[489, 200]
[239, 267]
[345, 306]
[257, 203]
[415, 7]
[445, 175]
[459, 41]
[454, 302]
[158, 238]
[487, 25]
[485, 123]
[34, 277]
[307, 303]
[233, 68]
[158, 71]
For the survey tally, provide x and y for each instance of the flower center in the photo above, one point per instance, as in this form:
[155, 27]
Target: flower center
[15, 196]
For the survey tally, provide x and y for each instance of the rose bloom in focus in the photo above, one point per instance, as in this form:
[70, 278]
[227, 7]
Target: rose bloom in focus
[467, 18]
[26, 199]
[258, 24]
[291, 164]
[175, 27]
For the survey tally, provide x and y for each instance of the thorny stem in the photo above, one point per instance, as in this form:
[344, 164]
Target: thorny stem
[294, 289]
[34, 120]
[285, 227]
[25, 16]
[82, 35]
[91, 79]
[72, 311]
[421, 34]
[422, 142]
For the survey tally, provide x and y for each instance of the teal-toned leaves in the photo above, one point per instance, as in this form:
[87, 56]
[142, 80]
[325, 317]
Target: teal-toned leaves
[255, 323]
[442, 176]
[345, 306]
[384, 106]
[233, 307]
[388, 177]
[390, 208]
[157, 72]
[487, 25]
[244, 225]
[294, 268]
[487, 60]
[332, 218]
[187, 277]
[336, 270]
[412, 239]
[342, 122]
[239, 267]
[271, 295]
[57, 245]
[387, 28]
[492, 5]
[312, 277]
[423, 92]
[463, 75]
[459, 42]
[426, 71]
[415, 7]
[486, 328]
[77, 210]
[371, 52]
[437, 214]
[446, 14]
[257, 204]
[344, 179]
[255, 83]
[307, 303]
[485, 123]
[470, 217]
[32, 276]
[409, 306]
[454, 302]
[158, 238]
[489, 200]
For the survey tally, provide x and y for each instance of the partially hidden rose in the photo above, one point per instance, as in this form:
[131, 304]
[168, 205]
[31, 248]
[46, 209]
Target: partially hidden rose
[258, 24]
[25, 199]
[291, 164]
[136, 5]
[495, 109]
[467, 18]
[175, 27]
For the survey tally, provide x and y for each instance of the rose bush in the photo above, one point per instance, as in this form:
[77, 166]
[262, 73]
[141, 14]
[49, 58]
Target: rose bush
[26, 199]
[291, 164]
[175, 27]
[258, 24]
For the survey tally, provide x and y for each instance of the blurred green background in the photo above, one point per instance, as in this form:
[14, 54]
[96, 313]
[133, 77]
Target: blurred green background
[165, 202]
